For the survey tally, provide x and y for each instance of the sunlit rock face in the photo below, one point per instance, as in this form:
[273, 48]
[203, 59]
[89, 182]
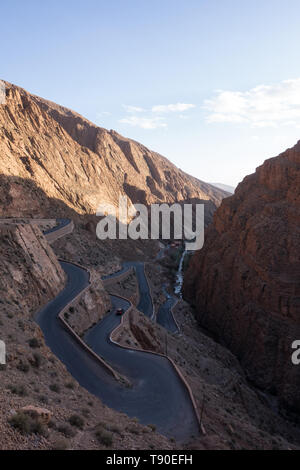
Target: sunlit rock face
[51, 158]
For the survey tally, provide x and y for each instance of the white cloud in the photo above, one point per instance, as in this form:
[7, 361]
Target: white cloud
[172, 108]
[103, 113]
[262, 106]
[144, 122]
[133, 109]
[152, 120]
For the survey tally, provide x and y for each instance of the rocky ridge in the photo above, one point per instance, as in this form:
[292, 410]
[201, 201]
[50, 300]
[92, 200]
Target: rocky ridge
[52, 160]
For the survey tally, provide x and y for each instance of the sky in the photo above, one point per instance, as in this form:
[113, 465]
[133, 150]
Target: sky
[213, 85]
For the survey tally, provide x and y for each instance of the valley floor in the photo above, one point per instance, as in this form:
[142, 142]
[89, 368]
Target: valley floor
[234, 415]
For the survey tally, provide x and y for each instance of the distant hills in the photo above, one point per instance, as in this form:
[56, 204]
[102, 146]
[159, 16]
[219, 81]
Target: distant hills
[224, 187]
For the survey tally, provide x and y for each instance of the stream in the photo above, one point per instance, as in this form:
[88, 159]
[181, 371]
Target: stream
[179, 276]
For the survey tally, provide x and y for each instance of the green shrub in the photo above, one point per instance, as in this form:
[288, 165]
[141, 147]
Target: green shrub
[77, 421]
[25, 424]
[114, 429]
[55, 388]
[133, 429]
[23, 367]
[37, 427]
[66, 430]
[104, 437]
[21, 422]
[60, 444]
[43, 399]
[34, 343]
[152, 427]
[52, 424]
[18, 390]
[70, 385]
[37, 360]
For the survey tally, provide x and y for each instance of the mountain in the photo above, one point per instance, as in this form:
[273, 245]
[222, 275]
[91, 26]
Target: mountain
[245, 282]
[52, 157]
[224, 187]
[55, 163]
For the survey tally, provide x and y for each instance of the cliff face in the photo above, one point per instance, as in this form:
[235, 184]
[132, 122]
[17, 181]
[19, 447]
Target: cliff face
[30, 274]
[50, 155]
[245, 282]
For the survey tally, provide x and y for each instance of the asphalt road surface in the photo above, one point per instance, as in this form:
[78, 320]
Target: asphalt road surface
[164, 315]
[61, 223]
[145, 304]
[157, 395]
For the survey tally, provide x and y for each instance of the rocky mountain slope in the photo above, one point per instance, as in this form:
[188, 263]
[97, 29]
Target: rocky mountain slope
[245, 282]
[224, 187]
[51, 156]
[30, 276]
[54, 162]
[30, 273]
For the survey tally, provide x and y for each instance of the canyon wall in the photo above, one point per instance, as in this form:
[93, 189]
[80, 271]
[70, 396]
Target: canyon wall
[30, 274]
[245, 282]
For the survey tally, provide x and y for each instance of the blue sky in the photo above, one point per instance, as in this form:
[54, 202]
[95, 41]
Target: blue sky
[214, 85]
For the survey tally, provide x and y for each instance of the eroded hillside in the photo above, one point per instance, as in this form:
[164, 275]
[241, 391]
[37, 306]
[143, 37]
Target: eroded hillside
[47, 149]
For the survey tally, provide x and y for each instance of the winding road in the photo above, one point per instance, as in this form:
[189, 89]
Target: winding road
[156, 396]
[60, 224]
[164, 315]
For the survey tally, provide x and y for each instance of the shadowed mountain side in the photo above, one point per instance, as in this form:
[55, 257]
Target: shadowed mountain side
[22, 198]
[245, 283]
